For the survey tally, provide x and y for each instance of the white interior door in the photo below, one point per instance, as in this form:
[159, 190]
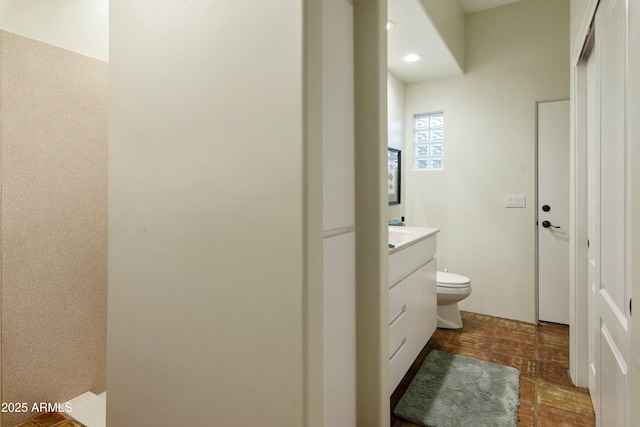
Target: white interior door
[553, 211]
[609, 222]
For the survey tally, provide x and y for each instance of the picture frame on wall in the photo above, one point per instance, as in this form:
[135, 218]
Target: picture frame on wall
[393, 183]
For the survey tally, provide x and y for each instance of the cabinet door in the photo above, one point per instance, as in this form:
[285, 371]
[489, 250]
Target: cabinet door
[423, 307]
[415, 309]
[430, 300]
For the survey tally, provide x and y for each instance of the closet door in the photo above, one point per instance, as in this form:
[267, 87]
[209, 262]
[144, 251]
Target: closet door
[609, 218]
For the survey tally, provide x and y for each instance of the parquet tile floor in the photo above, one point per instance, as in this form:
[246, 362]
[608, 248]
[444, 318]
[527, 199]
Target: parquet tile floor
[540, 352]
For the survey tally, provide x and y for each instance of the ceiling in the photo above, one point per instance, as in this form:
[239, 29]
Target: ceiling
[414, 32]
[469, 6]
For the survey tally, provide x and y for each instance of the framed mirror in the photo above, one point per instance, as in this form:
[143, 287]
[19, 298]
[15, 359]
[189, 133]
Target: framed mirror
[394, 176]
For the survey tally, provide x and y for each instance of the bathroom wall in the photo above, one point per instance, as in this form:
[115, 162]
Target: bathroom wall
[516, 55]
[206, 207]
[395, 111]
[54, 223]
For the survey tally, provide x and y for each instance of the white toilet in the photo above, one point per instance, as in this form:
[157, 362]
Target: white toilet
[451, 289]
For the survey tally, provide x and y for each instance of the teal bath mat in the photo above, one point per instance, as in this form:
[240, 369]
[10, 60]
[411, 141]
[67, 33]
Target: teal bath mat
[457, 391]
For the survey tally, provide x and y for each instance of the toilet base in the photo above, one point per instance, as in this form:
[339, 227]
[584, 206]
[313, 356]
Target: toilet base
[449, 316]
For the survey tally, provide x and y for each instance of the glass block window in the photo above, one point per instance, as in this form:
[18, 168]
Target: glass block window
[428, 140]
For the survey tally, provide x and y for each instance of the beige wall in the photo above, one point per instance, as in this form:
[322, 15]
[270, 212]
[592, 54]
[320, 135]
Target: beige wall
[449, 19]
[54, 219]
[516, 55]
[206, 239]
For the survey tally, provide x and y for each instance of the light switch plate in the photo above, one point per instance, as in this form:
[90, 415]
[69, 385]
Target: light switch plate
[515, 201]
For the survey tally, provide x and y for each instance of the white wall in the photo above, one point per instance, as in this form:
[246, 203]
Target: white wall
[395, 111]
[449, 19]
[206, 232]
[516, 55]
[372, 254]
[339, 258]
[77, 25]
[396, 132]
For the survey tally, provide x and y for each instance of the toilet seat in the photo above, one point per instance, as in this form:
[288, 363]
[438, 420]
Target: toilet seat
[450, 280]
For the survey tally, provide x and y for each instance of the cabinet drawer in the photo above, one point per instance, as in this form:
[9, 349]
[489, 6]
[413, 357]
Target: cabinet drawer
[398, 330]
[410, 258]
[398, 365]
[397, 299]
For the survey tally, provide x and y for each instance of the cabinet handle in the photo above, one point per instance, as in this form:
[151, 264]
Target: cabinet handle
[402, 344]
[398, 315]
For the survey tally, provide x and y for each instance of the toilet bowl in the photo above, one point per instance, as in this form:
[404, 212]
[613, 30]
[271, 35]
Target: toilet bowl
[452, 288]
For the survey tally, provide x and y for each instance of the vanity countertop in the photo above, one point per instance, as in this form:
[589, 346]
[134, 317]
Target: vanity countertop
[402, 237]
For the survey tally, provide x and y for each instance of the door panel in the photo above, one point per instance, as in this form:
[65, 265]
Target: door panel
[608, 217]
[612, 148]
[612, 393]
[553, 206]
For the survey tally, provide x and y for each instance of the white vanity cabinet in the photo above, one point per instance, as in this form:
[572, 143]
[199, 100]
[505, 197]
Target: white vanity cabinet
[412, 298]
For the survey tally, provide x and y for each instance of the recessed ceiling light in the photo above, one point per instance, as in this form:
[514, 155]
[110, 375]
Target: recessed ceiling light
[390, 25]
[412, 57]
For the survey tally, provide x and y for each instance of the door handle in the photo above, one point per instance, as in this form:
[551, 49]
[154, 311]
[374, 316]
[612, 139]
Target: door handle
[547, 224]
